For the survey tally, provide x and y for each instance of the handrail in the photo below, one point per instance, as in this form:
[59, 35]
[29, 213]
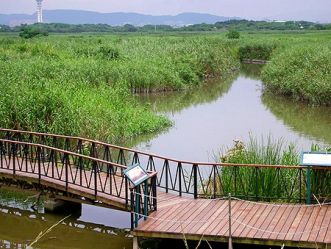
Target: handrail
[150, 173]
[65, 152]
[73, 168]
[200, 179]
[159, 156]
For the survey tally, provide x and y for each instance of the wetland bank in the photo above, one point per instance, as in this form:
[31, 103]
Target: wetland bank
[91, 86]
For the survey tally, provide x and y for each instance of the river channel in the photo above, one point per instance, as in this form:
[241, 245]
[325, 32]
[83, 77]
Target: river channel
[205, 121]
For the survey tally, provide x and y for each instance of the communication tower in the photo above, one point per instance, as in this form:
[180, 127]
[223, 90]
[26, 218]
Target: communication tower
[39, 11]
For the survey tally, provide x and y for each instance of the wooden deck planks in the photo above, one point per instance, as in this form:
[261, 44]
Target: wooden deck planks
[302, 224]
[223, 229]
[317, 225]
[199, 217]
[285, 222]
[212, 217]
[237, 228]
[272, 227]
[288, 222]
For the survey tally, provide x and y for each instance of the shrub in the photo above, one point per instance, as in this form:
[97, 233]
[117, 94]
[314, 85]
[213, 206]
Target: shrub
[256, 51]
[233, 34]
[30, 32]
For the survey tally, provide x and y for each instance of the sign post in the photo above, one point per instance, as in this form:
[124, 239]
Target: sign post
[314, 159]
[137, 175]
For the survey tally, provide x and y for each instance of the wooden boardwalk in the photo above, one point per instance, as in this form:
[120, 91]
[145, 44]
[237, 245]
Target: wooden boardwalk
[57, 182]
[252, 223]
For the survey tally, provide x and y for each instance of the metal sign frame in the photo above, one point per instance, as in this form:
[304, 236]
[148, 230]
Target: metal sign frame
[136, 174]
[310, 166]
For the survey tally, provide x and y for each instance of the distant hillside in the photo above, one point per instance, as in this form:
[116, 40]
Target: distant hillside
[114, 19]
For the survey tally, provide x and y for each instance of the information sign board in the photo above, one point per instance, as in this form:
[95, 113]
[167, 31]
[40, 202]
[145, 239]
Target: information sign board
[316, 159]
[136, 174]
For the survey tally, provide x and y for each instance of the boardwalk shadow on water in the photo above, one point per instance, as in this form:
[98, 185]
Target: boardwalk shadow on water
[20, 225]
[18, 228]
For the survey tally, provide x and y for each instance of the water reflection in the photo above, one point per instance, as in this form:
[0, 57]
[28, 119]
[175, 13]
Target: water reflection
[251, 71]
[176, 101]
[312, 122]
[91, 227]
[210, 119]
[18, 228]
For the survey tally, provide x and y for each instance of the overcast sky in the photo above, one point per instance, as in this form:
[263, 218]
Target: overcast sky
[315, 10]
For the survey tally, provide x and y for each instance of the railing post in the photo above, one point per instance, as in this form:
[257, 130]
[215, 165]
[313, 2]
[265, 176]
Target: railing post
[1, 153]
[235, 181]
[126, 191]
[256, 184]
[195, 180]
[154, 183]
[81, 167]
[308, 198]
[167, 174]
[214, 181]
[300, 185]
[66, 171]
[95, 179]
[39, 163]
[14, 155]
[132, 208]
[145, 199]
[137, 204]
[151, 162]
[180, 178]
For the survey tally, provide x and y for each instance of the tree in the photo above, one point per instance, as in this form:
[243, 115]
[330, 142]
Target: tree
[233, 34]
[28, 32]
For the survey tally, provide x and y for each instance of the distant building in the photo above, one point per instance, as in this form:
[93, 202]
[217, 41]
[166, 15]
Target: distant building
[279, 21]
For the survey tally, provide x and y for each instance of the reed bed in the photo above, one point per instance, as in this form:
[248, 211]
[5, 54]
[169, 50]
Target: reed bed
[82, 85]
[270, 184]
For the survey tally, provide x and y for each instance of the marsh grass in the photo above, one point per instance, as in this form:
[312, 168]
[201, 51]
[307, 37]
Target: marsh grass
[301, 72]
[82, 85]
[269, 184]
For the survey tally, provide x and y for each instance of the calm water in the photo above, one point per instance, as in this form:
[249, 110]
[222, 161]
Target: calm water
[93, 227]
[210, 118]
[204, 121]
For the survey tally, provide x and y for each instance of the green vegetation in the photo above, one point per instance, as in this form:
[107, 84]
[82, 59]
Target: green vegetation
[256, 51]
[265, 151]
[31, 31]
[302, 72]
[240, 25]
[272, 184]
[233, 34]
[81, 85]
